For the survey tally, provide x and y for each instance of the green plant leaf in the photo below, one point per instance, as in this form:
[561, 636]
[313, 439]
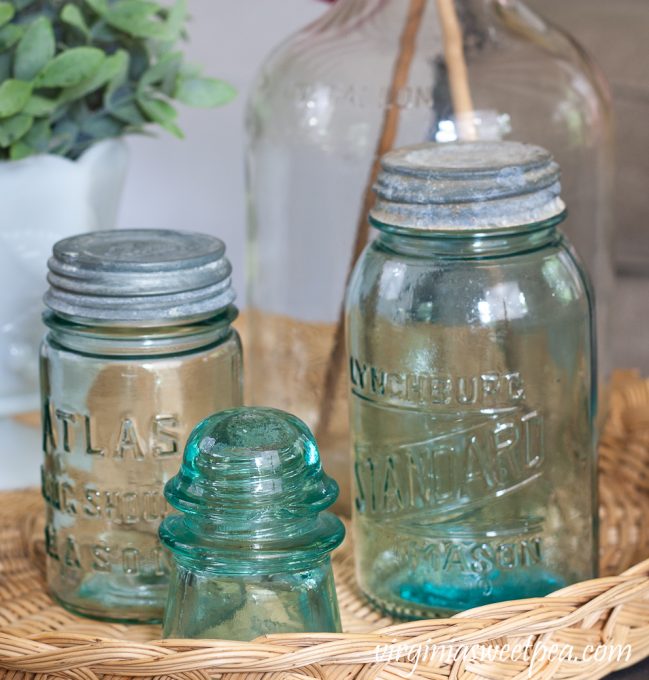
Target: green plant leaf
[9, 36]
[14, 94]
[129, 114]
[164, 72]
[39, 136]
[176, 19]
[120, 62]
[5, 65]
[71, 15]
[137, 18]
[101, 32]
[35, 49]
[20, 150]
[98, 6]
[59, 113]
[120, 103]
[64, 137]
[78, 112]
[111, 68]
[38, 106]
[22, 4]
[117, 96]
[12, 129]
[71, 67]
[204, 92]
[191, 71]
[101, 127]
[6, 13]
[140, 60]
[160, 112]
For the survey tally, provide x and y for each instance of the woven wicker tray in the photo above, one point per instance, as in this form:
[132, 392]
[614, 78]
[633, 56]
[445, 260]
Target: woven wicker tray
[39, 639]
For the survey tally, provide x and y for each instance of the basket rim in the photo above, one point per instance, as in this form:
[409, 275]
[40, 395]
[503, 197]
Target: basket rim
[574, 605]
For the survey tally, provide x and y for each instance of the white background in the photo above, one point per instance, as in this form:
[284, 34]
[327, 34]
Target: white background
[198, 183]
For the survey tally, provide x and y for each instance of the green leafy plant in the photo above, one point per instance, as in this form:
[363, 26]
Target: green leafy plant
[73, 72]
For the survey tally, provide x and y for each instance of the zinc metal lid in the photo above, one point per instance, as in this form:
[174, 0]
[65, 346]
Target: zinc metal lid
[139, 277]
[467, 186]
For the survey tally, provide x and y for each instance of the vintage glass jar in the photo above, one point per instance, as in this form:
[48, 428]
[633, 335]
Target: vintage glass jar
[140, 347]
[472, 381]
[314, 122]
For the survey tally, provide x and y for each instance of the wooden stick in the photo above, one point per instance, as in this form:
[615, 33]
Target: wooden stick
[465, 125]
[386, 141]
[457, 70]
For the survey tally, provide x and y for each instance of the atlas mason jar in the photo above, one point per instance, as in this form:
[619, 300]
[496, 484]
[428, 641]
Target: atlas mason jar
[472, 375]
[139, 349]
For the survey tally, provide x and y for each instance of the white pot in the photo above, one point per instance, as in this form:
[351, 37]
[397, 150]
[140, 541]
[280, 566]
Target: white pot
[42, 200]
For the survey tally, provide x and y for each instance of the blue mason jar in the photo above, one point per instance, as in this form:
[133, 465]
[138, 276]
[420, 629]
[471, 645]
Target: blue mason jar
[472, 375]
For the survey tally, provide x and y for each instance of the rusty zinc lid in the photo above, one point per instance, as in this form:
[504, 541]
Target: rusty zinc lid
[467, 186]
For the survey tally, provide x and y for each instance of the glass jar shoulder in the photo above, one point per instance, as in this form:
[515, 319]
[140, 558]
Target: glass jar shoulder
[72, 375]
[525, 287]
[336, 72]
[72, 342]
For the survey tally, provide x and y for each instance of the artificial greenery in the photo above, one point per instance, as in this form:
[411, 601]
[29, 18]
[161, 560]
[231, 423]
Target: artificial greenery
[73, 72]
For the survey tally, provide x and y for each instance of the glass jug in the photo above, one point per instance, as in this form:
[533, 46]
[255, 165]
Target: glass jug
[368, 76]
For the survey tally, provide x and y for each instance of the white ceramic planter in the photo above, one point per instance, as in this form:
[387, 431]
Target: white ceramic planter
[44, 199]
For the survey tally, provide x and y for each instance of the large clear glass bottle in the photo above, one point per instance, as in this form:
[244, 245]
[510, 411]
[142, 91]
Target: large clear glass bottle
[140, 347]
[314, 121]
[472, 382]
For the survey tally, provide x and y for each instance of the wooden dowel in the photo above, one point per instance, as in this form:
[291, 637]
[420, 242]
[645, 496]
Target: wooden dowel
[457, 71]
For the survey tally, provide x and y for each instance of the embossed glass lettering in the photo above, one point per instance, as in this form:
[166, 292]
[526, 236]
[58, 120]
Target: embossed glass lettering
[490, 389]
[465, 467]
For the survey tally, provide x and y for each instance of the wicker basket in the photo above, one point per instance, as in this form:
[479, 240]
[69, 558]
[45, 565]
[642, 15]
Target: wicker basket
[584, 631]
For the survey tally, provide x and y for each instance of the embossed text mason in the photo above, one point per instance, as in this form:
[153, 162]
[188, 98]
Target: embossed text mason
[471, 371]
[139, 349]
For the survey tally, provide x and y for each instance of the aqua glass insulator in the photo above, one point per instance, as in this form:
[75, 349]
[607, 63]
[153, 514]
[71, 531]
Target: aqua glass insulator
[251, 542]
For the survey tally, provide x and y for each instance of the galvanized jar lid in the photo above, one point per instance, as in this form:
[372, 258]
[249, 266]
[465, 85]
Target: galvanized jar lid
[139, 277]
[467, 186]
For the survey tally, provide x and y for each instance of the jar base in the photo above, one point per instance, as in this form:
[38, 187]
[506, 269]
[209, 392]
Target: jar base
[95, 600]
[413, 601]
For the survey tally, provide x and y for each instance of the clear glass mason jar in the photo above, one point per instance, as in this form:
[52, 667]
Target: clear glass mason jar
[139, 349]
[472, 381]
[314, 121]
